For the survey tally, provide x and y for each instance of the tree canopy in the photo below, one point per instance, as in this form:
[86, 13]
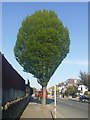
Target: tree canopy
[71, 90]
[42, 43]
[85, 79]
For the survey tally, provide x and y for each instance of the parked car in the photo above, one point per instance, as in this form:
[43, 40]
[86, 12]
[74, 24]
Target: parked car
[74, 95]
[83, 98]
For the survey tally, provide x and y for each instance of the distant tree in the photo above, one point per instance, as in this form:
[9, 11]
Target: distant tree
[57, 91]
[31, 90]
[52, 90]
[42, 43]
[34, 89]
[71, 90]
[85, 79]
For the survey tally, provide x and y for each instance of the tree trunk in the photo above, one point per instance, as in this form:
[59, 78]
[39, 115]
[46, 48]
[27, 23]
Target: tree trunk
[44, 96]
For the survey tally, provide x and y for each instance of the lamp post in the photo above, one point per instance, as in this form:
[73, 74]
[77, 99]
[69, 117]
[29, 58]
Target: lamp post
[55, 99]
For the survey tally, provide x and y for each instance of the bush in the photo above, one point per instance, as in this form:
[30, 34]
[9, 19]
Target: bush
[86, 93]
[71, 90]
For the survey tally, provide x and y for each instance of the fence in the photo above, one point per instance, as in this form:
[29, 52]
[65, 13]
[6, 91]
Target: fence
[13, 85]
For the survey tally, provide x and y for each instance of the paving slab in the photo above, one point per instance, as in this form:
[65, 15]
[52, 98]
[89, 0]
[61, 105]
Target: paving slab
[35, 110]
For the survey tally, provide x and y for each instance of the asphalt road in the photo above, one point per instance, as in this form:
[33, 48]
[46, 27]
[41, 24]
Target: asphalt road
[71, 109]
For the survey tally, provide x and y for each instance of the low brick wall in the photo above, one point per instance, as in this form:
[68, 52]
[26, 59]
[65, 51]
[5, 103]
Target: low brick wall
[15, 110]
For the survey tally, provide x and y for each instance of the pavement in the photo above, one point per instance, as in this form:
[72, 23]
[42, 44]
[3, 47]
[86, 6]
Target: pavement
[66, 108]
[34, 109]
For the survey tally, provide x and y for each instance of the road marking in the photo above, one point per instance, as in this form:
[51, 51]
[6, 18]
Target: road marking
[59, 115]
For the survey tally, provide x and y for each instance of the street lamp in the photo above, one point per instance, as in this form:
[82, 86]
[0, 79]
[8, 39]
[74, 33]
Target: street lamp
[55, 99]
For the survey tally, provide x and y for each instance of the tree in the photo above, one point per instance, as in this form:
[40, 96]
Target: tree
[53, 89]
[42, 43]
[71, 90]
[57, 91]
[34, 89]
[85, 79]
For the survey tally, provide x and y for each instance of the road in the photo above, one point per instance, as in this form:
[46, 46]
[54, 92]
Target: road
[71, 109]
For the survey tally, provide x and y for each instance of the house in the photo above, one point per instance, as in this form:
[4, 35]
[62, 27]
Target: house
[71, 82]
[62, 87]
[82, 88]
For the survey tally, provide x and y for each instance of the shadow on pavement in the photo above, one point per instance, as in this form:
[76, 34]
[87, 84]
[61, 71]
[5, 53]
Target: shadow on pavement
[48, 101]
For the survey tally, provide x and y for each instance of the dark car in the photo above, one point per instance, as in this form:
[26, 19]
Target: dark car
[83, 98]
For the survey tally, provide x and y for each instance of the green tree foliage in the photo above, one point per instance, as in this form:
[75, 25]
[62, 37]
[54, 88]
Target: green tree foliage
[42, 43]
[57, 91]
[34, 89]
[71, 90]
[85, 79]
[52, 90]
[31, 91]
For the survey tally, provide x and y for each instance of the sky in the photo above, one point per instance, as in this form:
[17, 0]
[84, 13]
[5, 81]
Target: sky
[74, 15]
[45, 0]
